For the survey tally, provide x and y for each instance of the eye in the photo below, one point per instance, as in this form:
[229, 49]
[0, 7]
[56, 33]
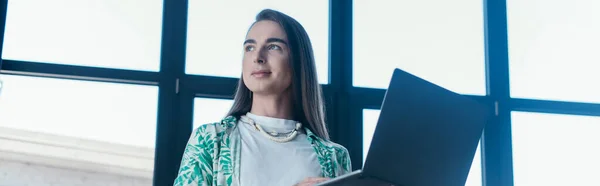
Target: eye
[249, 48]
[273, 47]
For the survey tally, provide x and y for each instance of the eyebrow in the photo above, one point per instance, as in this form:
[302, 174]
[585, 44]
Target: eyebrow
[270, 40]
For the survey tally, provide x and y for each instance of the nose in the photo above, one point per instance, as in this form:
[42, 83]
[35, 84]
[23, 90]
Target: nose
[260, 57]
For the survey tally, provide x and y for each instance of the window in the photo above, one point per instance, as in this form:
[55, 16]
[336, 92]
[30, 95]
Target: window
[553, 49]
[87, 125]
[442, 43]
[109, 33]
[217, 29]
[370, 117]
[208, 110]
[553, 149]
[475, 175]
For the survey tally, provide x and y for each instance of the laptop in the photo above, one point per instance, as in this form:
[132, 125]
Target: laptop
[425, 136]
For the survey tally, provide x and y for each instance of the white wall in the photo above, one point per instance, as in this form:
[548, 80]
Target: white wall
[16, 173]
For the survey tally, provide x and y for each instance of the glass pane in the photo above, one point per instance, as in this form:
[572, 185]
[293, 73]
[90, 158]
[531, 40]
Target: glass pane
[553, 49]
[1, 82]
[370, 117]
[109, 33]
[442, 43]
[234, 20]
[475, 176]
[553, 149]
[208, 110]
[81, 125]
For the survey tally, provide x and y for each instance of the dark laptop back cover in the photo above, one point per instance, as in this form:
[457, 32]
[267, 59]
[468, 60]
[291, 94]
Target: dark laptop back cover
[436, 133]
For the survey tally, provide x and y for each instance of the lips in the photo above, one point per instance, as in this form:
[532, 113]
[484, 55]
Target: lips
[261, 73]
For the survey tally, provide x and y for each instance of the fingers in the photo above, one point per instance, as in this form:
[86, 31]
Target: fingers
[319, 179]
[312, 181]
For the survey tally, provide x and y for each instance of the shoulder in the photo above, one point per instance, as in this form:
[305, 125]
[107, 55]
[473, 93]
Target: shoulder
[334, 152]
[212, 131]
[201, 152]
[334, 147]
[341, 153]
[327, 144]
[225, 124]
[342, 158]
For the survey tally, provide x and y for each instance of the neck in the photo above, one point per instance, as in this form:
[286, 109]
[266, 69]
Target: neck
[276, 106]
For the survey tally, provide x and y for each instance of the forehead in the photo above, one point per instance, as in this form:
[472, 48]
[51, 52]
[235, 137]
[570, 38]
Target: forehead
[263, 30]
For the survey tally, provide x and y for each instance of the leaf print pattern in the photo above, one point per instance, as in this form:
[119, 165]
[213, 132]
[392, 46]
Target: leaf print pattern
[225, 162]
[196, 166]
[207, 158]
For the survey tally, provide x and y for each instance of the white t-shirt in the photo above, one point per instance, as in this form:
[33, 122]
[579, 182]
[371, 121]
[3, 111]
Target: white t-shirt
[265, 162]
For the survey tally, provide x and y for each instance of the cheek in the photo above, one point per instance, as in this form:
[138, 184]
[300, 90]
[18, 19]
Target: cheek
[281, 61]
[246, 65]
[246, 70]
[286, 72]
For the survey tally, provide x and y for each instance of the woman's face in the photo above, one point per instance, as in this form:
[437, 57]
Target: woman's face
[266, 68]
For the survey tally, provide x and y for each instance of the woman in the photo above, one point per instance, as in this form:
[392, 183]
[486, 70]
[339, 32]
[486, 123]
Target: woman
[275, 132]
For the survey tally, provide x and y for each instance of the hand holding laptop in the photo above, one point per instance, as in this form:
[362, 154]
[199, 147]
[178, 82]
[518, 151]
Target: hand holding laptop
[312, 181]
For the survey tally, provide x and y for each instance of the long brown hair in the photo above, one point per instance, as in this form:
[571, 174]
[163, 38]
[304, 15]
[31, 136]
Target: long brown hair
[307, 95]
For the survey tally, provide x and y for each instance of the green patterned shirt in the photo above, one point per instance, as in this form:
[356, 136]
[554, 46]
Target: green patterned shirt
[211, 157]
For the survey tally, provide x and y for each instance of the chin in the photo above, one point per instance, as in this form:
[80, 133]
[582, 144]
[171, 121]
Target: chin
[264, 86]
[266, 89]
[261, 90]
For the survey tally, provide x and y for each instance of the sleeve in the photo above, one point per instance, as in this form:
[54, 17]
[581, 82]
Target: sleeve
[346, 162]
[343, 159]
[196, 164]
